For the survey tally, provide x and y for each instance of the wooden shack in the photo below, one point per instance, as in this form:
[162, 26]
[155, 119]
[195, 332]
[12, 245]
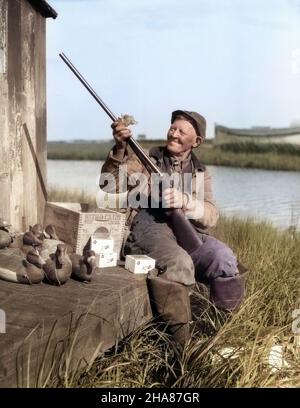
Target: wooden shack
[23, 135]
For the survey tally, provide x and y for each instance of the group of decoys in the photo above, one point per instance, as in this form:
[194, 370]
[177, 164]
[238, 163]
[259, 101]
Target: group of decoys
[38, 255]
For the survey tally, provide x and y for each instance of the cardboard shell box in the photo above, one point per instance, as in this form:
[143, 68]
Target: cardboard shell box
[75, 223]
[139, 263]
[106, 260]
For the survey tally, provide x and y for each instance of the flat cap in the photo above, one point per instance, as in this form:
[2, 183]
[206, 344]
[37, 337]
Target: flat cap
[197, 120]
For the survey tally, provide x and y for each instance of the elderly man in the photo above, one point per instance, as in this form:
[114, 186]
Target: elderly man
[152, 232]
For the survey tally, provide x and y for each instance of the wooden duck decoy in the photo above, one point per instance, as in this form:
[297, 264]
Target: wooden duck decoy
[49, 247]
[38, 255]
[84, 266]
[5, 239]
[58, 267]
[34, 236]
[14, 268]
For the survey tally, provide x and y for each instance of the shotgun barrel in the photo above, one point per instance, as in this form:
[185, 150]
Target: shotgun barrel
[144, 158]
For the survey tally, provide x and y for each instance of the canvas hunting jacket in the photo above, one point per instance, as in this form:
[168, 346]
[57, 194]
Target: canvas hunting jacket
[126, 157]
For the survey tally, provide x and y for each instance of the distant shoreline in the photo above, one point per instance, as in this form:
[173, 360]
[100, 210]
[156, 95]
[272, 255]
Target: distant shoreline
[243, 155]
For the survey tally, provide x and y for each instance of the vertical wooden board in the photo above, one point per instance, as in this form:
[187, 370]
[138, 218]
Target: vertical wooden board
[13, 137]
[3, 39]
[40, 112]
[4, 123]
[28, 32]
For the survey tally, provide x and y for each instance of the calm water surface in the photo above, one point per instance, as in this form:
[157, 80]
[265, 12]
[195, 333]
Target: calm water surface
[270, 195]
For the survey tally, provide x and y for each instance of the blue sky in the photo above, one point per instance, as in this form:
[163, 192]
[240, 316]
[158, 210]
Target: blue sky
[237, 62]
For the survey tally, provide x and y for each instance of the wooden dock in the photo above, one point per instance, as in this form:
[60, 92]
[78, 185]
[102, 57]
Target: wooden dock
[47, 325]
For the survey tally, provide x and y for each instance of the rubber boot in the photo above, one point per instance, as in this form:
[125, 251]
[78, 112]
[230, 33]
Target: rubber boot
[171, 301]
[228, 293]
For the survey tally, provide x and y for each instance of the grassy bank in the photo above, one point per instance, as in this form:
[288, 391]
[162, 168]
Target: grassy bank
[248, 155]
[78, 151]
[74, 196]
[254, 155]
[148, 359]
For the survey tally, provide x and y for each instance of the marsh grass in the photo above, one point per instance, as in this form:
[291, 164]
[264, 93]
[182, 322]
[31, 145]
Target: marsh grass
[249, 155]
[252, 160]
[73, 196]
[148, 358]
[78, 151]
[252, 147]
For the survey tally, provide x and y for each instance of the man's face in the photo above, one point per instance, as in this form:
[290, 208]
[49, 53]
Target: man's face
[182, 138]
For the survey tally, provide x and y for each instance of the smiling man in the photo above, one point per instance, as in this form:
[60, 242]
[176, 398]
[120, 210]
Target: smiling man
[151, 232]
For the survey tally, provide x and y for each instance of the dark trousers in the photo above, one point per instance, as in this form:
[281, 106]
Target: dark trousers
[151, 235]
[169, 293]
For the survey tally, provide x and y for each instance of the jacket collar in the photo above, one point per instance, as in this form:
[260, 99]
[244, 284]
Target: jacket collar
[157, 152]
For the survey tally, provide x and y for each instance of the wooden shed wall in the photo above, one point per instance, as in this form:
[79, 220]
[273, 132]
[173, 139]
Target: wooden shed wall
[22, 113]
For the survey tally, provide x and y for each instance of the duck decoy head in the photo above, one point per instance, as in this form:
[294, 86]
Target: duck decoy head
[61, 254]
[50, 232]
[90, 258]
[33, 256]
[38, 231]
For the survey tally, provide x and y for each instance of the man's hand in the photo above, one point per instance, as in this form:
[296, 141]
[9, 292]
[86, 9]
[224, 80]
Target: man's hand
[173, 198]
[120, 133]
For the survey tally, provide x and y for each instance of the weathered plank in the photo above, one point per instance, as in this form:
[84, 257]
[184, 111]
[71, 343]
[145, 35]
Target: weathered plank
[22, 102]
[109, 308]
[4, 127]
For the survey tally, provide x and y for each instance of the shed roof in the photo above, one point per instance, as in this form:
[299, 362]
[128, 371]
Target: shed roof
[259, 131]
[43, 8]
